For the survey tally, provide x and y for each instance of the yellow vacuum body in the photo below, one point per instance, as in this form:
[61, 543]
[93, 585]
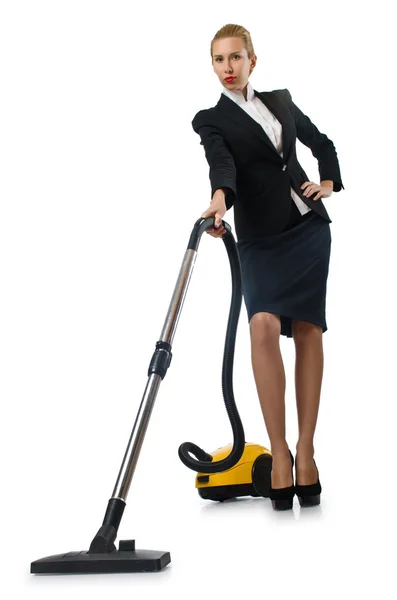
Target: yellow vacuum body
[249, 477]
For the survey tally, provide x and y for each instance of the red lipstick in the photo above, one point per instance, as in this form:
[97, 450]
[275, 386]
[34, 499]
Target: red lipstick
[229, 79]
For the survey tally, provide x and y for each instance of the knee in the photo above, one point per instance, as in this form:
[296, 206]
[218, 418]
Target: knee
[302, 330]
[265, 327]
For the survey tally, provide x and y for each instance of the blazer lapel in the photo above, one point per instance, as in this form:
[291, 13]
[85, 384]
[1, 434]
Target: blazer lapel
[239, 116]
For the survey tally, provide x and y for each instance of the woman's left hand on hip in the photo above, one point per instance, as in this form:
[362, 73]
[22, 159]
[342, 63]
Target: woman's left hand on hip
[323, 190]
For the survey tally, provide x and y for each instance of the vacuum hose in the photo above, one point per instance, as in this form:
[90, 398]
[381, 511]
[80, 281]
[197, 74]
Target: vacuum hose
[202, 464]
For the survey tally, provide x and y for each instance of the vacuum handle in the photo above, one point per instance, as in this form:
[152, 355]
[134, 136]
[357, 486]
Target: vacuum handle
[200, 226]
[212, 223]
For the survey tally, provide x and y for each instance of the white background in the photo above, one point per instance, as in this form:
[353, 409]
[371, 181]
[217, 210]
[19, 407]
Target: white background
[102, 180]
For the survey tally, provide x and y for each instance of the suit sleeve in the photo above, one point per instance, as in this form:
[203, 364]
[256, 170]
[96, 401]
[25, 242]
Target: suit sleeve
[222, 172]
[321, 146]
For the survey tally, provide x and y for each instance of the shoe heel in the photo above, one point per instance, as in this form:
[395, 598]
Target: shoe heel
[309, 495]
[282, 504]
[282, 498]
[309, 500]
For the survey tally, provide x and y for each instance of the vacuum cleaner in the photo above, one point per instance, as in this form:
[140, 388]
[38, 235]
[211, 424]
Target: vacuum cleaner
[238, 469]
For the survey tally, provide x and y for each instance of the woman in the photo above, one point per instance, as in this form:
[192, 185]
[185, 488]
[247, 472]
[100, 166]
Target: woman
[283, 239]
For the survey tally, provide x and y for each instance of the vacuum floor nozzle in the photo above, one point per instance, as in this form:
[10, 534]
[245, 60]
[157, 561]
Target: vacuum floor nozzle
[124, 560]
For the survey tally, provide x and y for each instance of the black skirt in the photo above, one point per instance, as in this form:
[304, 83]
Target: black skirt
[286, 273]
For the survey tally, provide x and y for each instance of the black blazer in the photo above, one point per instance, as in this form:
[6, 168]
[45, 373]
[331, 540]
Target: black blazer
[244, 162]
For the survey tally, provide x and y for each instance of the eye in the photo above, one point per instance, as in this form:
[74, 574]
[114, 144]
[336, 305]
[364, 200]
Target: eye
[219, 58]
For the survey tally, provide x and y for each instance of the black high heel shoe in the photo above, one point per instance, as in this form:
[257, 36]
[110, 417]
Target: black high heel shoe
[309, 495]
[282, 498]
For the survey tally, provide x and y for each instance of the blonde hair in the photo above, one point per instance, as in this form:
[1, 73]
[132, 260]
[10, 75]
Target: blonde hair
[231, 30]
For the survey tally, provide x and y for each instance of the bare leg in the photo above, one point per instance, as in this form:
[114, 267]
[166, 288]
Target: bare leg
[309, 365]
[269, 376]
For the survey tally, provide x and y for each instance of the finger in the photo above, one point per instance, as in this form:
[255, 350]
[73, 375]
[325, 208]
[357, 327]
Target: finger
[216, 232]
[219, 232]
[304, 185]
[311, 189]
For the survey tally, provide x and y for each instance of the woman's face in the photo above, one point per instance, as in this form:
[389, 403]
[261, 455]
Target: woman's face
[230, 59]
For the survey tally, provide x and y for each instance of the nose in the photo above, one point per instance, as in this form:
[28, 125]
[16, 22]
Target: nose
[227, 67]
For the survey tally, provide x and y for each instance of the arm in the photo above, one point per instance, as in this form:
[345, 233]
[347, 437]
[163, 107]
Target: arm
[321, 146]
[222, 170]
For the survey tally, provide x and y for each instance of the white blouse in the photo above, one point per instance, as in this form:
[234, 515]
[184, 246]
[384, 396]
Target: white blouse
[255, 108]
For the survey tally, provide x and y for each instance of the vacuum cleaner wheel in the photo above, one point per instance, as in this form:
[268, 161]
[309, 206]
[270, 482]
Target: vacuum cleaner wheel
[261, 474]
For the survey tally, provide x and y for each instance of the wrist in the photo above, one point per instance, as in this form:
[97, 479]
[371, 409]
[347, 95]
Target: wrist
[219, 194]
[327, 183]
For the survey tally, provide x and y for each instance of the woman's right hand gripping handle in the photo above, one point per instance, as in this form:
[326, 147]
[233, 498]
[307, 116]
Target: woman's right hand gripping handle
[216, 209]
